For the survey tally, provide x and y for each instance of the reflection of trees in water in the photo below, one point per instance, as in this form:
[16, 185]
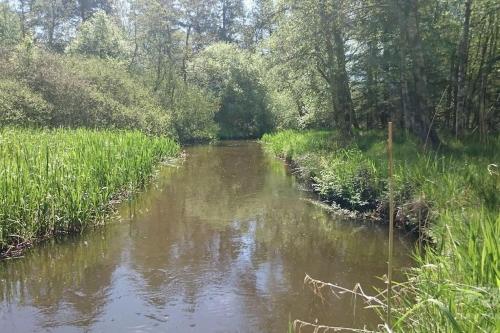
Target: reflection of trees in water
[229, 225]
[67, 282]
[233, 219]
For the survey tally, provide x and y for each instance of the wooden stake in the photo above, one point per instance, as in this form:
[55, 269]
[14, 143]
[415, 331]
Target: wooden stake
[391, 225]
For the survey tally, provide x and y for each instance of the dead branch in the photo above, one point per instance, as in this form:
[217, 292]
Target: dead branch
[298, 325]
[317, 286]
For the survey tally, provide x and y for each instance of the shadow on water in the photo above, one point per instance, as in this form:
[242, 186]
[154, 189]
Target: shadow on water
[220, 244]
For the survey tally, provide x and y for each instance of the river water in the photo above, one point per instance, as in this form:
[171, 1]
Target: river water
[219, 244]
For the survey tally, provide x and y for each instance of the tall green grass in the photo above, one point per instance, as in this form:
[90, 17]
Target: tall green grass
[453, 192]
[58, 181]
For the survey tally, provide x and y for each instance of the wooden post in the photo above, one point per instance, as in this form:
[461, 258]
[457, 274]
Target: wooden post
[391, 224]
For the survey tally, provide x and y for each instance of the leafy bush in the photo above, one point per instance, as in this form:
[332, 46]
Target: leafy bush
[81, 92]
[54, 90]
[349, 179]
[21, 106]
[193, 113]
[232, 75]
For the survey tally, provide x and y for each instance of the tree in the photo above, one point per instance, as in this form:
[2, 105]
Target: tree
[462, 59]
[261, 21]
[230, 13]
[52, 20]
[10, 27]
[100, 37]
[199, 22]
[311, 36]
[86, 8]
[232, 75]
[158, 43]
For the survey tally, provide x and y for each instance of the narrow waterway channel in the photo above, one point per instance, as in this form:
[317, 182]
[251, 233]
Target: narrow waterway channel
[219, 244]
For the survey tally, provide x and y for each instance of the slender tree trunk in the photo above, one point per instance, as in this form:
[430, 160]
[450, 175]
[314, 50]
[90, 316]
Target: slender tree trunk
[159, 66]
[371, 89]
[327, 67]
[404, 97]
[136, 43]
[463, 58]
[52, 25]
[487, 69]
[26, 7]
[422, 125]
[223, 35]
[450, 96]
[186, 53]
[342, 82]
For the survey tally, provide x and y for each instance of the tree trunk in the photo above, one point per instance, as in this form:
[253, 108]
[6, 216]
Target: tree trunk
[463, 58]
[52, 25]
[342, 82]
[186, 52]
[136, 44]
[421, 124]
[371, 89]
[404, 94]
[223, 33]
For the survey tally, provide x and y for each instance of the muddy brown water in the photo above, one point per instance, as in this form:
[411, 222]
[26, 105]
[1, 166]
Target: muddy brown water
[219, 244]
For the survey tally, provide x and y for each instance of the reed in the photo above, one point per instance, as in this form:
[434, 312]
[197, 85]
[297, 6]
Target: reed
[59, 181]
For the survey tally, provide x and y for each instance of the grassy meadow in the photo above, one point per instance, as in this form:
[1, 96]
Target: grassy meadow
[58, 181]
[451, 193]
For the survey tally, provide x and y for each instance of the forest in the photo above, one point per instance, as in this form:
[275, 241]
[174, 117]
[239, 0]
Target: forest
[126, 83]
[199, 70]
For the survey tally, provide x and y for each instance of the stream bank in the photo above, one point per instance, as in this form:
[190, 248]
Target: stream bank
[449, 196]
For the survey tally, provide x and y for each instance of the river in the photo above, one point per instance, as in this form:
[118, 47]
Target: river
[220, 243]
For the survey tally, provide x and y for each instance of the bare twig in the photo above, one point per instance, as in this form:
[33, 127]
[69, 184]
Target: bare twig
[317, 286]
[298, 325]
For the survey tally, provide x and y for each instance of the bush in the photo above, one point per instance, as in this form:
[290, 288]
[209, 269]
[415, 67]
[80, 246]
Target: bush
[21, 106]
[45, 89]
[81, 92]
[193, 114]
[232, 75]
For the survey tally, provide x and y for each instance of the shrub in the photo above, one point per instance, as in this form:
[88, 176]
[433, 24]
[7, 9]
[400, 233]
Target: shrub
[19, 105]
[232, 75]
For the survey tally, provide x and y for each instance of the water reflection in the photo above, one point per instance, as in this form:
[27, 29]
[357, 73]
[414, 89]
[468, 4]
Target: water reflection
[220, 244]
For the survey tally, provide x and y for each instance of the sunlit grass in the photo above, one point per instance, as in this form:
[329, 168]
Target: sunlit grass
[58, 181]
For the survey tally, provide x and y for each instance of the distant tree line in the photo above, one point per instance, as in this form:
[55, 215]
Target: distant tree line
[216, 68]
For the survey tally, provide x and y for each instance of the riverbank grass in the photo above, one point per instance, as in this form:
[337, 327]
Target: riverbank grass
[59, 181]
[452, 193]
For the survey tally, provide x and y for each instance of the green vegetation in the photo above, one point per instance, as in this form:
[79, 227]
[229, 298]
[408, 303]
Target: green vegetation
[452, 192]
[206, 69]
[201, 70]
[100, 37]
[233, 76]
[59, 181]
[46, 89]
